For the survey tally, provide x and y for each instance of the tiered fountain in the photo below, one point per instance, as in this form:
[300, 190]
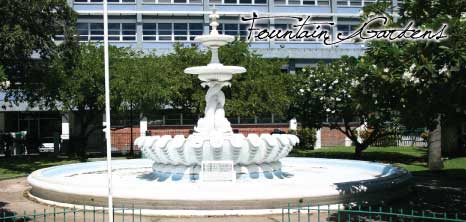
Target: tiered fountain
[169, 182]
[213, 138]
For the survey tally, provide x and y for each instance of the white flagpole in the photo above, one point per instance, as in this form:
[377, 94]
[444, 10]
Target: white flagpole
[107, 114]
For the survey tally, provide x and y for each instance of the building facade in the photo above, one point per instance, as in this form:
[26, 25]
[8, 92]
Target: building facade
[154, 25]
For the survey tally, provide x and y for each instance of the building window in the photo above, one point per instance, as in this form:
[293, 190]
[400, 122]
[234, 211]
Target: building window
[172, 1]
[346, 30]
[309, 2]
[342, 2]
[83, 31]
[303, 2]
[309, 29]
[171, 31]
[149, 32]
[113, 31]
[180, 31]
[283, 28]
[369, 2]
[241, 2]
[280, 2]
[116, 31]
[323, 3]
[195, 29]
[128, 32]
[97, 32]
[355, 3]
[237, 30]
[100, 1]
[164, 31]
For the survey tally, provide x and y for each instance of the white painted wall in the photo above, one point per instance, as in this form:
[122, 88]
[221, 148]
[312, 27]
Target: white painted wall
[65, 127]
[143, 126]
[318, 144]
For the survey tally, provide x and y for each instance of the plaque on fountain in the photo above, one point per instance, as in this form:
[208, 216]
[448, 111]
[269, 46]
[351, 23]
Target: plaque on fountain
[217, 171]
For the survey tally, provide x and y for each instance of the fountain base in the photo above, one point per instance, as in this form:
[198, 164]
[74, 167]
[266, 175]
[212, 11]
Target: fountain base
[162, 172]
[308, 180]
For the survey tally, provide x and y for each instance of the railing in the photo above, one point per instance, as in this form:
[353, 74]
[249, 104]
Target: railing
[403, 138]
[304, 213]
[75, 214]
[357, 213]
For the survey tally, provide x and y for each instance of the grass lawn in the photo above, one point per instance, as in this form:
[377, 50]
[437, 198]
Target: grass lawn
[19, 166]
[413, 159]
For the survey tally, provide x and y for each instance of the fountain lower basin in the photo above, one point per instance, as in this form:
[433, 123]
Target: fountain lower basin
[305, 180]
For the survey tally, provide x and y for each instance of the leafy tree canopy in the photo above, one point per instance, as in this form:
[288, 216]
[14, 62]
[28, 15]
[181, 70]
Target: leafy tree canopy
[27, 29]
[341, 95]
[430, 75]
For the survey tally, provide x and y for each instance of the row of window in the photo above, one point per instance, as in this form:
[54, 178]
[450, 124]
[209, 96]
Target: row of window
[100, 1]
[171, 31]
[116, 31]
[351, 3]
[355, 2]
[179, 31]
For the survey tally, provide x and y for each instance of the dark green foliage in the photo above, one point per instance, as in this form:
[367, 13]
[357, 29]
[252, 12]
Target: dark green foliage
[27, 28]
[307, 138]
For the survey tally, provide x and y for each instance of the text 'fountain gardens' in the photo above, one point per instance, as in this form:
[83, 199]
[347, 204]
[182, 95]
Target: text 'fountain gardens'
[213, 138]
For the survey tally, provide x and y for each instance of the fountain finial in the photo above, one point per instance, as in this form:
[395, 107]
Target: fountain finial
[214, 16]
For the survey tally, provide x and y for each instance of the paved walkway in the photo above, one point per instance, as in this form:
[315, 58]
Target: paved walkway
[13, 200]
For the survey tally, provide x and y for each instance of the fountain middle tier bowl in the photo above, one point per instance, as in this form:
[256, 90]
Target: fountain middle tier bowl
[215, 72]
[253, 149]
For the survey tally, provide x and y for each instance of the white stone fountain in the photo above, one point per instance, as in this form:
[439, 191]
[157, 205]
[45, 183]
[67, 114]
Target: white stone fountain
[213, 138]
[166, 183]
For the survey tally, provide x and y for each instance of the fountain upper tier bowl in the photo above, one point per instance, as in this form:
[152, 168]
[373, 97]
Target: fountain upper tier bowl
[215, 72]
[214, 41]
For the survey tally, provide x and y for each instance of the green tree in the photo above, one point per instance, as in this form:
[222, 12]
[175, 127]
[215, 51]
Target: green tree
[27, 31]
[138, 86]
[261, 90]
[428, 74]
[185, 91]
[341, 96]
[77, 86]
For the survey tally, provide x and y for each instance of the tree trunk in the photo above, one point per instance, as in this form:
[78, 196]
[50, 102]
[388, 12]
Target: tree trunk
[358, 150]
[435, 148]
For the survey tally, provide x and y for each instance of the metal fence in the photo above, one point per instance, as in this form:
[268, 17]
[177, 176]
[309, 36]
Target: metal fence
[75, 214]
[358, 213]
[404, 137]
[319, 213]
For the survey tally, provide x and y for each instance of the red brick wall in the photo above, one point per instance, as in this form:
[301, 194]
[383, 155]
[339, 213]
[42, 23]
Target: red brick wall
[121, 138]
[331, 137]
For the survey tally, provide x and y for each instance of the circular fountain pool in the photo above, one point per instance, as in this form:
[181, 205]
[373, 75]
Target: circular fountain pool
[303, 180]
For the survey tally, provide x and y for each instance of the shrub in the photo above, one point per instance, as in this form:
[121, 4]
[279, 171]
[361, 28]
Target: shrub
[307, 138]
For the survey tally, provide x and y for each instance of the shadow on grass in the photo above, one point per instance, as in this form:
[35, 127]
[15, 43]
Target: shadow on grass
[380, 156]
[441, 193]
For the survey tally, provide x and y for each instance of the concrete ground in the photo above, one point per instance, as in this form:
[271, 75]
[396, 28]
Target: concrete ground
[14, 201]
